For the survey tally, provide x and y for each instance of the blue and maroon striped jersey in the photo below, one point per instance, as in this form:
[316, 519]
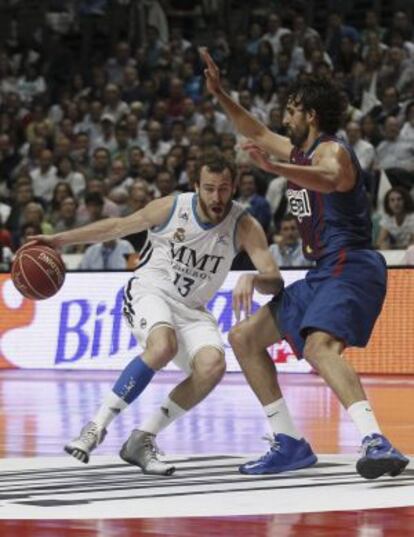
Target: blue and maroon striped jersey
[331, 222]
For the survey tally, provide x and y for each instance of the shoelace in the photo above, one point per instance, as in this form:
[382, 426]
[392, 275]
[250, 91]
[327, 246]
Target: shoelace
[274, 446]
[153, 446]
[366, 446]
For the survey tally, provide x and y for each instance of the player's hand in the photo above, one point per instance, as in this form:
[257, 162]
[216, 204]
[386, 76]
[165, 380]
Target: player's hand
[212, 72]
[258, 156]
[243, 296]
[48, 240]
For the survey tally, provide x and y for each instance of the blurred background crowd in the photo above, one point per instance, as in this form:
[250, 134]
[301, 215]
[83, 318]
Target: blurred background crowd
[103, 108]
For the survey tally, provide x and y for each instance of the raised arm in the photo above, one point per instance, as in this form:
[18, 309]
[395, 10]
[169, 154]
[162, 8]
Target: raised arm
[153, 214]
[245, 123]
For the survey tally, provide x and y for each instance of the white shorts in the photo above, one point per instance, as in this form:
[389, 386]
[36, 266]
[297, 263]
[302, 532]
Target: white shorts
[145, 308]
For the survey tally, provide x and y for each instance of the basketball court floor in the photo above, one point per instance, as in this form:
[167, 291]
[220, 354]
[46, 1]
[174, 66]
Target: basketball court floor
[46, 493]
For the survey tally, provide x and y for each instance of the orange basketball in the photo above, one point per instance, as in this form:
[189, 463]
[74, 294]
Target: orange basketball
[38, 271]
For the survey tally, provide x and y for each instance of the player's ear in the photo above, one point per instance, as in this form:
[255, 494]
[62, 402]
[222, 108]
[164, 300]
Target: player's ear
[311, 116]
[197, 187]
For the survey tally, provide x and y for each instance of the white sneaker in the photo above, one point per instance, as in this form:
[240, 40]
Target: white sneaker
[141, 450]
[90, 437]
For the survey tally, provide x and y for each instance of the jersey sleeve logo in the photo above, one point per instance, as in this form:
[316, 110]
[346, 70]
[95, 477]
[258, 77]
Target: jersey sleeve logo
[299, 203]
[183, 215]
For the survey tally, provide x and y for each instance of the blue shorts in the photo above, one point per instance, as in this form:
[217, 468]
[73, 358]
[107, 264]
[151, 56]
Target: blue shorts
[343, 296]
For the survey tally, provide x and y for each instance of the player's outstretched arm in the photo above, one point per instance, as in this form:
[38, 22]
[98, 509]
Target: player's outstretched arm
[268, 280]
[245, 123]
[153, 214]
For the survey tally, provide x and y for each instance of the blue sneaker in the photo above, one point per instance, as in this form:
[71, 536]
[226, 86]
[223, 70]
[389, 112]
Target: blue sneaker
[379, 458]
[286, 453]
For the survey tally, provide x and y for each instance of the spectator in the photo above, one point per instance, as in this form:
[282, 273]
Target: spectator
[116, 66]
[275, 30]
[114, 106]
[212, 118]
[155, 148]
[98, 189]
[91, 123]
[61, 191]
[175, 101]
[27, 231]
[364, 151]
[256, 205]
[138, 197]
[388, 107]
[34, 214]
[118, 176]
[335, 31]
[266, 96]
[372, 25]
[31, 84]
[135, 156]
[165, 184]
[370, 131]
[121, 150]
[287, 251]
[44, 177]
[301, 31]
[397, 224]
[109, 255]
[101, 164]
[22, 195]
[407, 131]
[396, 156]
[107, 138]
[66, 173]
[131, 89]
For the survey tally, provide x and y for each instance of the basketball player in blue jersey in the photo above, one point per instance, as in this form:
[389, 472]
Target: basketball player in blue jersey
[192, 240]
[338, 302]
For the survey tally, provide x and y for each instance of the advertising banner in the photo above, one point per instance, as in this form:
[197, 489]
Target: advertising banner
[82, 327]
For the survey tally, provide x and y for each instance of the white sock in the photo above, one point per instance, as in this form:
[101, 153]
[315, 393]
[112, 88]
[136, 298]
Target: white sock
[162, 417]
[364, 418]
[109, 410]
[280, 420]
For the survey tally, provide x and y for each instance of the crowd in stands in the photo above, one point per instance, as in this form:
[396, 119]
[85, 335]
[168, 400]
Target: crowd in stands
[99, 115]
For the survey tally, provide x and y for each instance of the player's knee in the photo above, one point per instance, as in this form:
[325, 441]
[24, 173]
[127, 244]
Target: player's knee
[318, 346]
[238, 338]
[162, 351]
[211, 366]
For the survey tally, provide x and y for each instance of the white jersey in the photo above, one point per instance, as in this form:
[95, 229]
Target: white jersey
[186, 258]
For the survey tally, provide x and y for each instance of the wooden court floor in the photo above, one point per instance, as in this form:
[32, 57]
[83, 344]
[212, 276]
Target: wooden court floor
[40, 410]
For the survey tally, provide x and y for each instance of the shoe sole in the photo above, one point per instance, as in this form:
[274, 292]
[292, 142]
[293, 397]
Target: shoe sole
[77, 454]
[304, 463]
[374, 468]
[125, 458]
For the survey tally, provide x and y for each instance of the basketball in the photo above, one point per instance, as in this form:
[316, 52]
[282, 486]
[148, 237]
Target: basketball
[38, 271]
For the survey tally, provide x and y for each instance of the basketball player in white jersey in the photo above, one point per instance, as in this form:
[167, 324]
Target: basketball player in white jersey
[192, 240]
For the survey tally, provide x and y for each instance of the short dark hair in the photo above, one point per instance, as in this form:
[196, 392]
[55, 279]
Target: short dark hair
[288, 217]
[322, 96]
[217, 164]
[408, 202]
[94, 198]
